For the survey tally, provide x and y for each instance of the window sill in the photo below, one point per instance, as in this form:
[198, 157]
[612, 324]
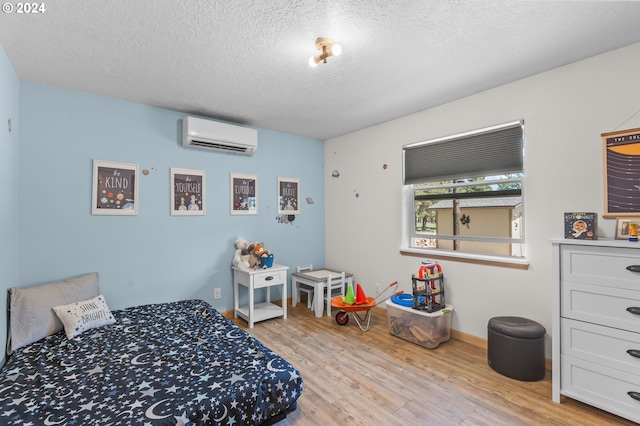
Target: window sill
[478, 259]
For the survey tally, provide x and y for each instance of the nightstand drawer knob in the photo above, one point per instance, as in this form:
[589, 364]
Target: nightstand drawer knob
[634, 395]
[633, 268]
[634, 352]
[634, 310]
[269, 278]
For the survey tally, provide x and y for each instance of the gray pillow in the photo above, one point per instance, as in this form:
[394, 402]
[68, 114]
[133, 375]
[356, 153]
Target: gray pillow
[30, 315]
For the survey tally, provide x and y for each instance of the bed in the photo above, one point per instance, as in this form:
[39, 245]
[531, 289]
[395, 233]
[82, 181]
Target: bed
[179, 363]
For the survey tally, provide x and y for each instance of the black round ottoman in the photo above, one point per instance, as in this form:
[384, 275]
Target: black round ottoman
[515, 348]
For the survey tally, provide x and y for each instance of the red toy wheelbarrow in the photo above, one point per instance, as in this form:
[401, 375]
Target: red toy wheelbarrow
[342, 317]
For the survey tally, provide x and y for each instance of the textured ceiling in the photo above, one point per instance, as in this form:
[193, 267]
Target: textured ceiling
[246, 61]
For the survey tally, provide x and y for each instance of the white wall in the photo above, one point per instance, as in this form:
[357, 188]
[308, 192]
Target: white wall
[565, 111]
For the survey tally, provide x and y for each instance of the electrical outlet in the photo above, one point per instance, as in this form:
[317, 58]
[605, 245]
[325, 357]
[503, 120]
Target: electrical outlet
[377, 288]
[217, 293]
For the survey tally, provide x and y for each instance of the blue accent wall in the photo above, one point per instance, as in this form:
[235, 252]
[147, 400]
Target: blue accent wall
[9, 242]
[152, 257]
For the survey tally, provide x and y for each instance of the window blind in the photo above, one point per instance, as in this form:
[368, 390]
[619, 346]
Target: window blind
[485, 152]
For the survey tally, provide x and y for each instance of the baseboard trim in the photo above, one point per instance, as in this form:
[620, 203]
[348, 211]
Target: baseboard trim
[469, 338]
[482, 343]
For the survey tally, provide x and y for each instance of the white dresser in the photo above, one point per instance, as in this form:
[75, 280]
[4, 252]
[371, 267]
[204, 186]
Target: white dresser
[596, 324]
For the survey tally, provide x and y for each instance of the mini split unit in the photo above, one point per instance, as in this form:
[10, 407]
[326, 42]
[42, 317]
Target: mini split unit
[217, 136]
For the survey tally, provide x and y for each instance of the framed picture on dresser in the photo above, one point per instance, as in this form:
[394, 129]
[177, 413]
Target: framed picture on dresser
[622, 226]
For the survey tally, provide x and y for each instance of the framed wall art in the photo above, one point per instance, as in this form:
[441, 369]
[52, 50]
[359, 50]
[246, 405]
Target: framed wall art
[243, 194]
[114, 189]
[621, 152]
[187, 192]
[288, 195]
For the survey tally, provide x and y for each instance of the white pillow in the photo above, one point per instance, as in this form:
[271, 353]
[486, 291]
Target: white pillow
[79, 317]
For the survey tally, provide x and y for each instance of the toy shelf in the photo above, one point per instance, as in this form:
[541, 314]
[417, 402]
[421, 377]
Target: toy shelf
[428, 292]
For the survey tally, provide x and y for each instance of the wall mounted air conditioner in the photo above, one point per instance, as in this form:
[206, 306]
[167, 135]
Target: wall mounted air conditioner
[217, 136]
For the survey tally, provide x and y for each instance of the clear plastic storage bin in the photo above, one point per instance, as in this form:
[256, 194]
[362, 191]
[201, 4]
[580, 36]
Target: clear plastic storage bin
[419, 327]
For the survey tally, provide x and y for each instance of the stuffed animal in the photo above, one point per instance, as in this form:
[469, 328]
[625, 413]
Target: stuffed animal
[257, 251]
[260, 251]
[248, 254]
[242, 255]
[259, 255]
[254, 259]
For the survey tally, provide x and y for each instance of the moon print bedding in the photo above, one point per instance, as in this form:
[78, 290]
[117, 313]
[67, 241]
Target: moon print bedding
[179, 363]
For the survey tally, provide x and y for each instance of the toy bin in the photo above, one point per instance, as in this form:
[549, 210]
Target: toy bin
[266, 261]
[420, 327]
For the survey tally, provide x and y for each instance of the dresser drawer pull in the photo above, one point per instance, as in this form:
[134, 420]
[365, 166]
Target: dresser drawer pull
[634, 352]
[634, 395]
[633, 268]
[635, 310]
[269, 278]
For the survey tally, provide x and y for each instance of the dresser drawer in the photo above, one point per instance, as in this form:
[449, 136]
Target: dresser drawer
[602, 266]
[601, 305]
[601, 386]
[602, 345]
[269, 278]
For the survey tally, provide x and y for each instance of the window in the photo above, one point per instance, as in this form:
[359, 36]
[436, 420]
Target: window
[464, 192]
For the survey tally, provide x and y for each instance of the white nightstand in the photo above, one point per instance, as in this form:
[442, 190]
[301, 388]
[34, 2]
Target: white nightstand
[253, 279]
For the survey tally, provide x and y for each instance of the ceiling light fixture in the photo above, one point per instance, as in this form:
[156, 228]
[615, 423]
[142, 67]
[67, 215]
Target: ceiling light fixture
[326, 46]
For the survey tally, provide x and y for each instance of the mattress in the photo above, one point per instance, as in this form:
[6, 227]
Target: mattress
[163, 364]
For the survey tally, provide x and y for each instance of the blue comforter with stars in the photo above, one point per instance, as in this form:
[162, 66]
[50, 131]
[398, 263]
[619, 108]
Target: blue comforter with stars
[179, 363]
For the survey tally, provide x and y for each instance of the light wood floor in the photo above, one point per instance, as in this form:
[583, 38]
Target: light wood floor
[373, 378]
